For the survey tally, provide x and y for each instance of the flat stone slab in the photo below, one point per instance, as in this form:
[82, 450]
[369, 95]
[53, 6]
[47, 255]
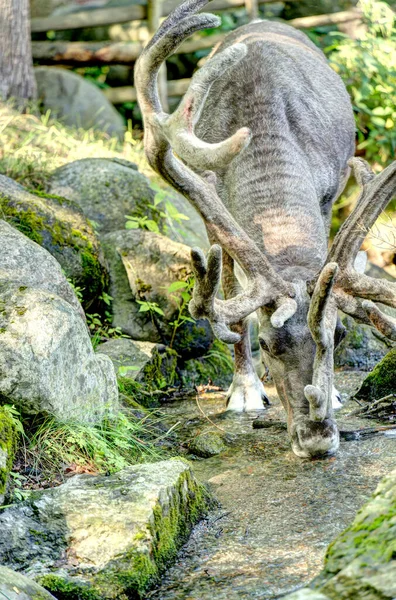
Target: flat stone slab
[106, 536]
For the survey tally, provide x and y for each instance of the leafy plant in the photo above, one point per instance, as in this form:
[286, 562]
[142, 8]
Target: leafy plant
[101, 327]
[180, 292]
[141, 223]
[368, 67]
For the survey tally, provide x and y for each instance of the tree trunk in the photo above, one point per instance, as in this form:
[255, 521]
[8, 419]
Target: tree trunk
[16, 65]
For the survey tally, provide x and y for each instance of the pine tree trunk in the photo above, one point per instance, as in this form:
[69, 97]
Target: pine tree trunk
[16, 65]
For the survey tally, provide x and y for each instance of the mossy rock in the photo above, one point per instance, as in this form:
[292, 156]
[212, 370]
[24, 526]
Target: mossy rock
[107, 189]
[59, 226]
[360, 349]
[8, 444]
[215, 367]
[361, 563]
[381, 381]
[207, 444]
[104, 537]
[141, 368]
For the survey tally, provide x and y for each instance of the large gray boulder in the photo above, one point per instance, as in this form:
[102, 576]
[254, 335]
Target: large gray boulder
[76, 102]
[60, 226]
[47, 363]
[106, 189]
[106, 536]
[26, 263]
[15, 586]
[142, 266]
[119, 189]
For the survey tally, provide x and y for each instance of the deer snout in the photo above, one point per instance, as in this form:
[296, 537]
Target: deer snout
[314, 439]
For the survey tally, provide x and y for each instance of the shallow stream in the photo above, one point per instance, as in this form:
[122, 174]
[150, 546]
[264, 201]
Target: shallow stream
[278, 512]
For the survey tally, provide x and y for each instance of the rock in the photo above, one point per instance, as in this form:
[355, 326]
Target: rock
[381, 381]
[142, 266]
[14, 586]
[360, 562]
[207, 444]
[361, 349]
[106, 536]
[47, 363]
[306, 594]
[191, 232]
[141, 367]
[25, 262]
[216, 367]
[76, 102]
[60, 226]
[8, 441]
[119, 190]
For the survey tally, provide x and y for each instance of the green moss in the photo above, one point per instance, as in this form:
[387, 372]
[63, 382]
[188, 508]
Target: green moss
[68, 590]
[382, 379]
[370, 541]
[161, 371]
[207, 444]
[60, 226]
[8, 444]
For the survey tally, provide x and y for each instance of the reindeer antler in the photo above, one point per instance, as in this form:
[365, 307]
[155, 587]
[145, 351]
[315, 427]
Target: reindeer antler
[352, 287]
[173, 150]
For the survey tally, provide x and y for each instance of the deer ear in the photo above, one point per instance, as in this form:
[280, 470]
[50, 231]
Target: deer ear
[360, 262]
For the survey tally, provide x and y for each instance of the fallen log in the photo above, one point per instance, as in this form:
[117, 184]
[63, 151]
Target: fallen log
[127, 93]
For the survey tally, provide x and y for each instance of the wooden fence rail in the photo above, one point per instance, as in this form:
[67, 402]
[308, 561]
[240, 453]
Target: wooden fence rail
[111, 16]
[91, 53]
[97, 53]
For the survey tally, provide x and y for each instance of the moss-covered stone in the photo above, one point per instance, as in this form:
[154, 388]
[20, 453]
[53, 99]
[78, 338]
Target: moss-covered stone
[8, 444]
[207, 444]
[106, 537]
[381, 381]
[215, 367]
[360, 349]
[361, 563]
[142, 368]
[60, 226]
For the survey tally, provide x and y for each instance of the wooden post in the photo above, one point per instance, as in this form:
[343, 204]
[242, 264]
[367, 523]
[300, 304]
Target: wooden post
[252, 9]
[154, 10]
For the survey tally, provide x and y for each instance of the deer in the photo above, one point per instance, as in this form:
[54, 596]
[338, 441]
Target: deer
[262, 144]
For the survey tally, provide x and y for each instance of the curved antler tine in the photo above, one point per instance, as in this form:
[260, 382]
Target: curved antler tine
[317, 313]
[362, 171]
[385, 324]
[179, 127]
[185, 9]
[207, 281]
[322, 319]
[375, 195]
[157, 51]
[286, 309]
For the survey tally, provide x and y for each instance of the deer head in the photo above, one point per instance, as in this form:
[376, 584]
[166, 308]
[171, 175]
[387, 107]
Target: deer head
[298, 318]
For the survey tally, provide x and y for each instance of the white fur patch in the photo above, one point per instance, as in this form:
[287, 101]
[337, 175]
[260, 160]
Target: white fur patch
[245, 393]
[336, 399]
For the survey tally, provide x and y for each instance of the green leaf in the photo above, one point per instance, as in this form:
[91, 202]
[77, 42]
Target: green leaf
[123, 371]
[158, 310]
[152, 226]
[176, 285]
[131, 225]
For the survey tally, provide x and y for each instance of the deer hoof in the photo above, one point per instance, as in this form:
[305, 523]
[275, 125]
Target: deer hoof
[246, 393]
[315, 439]
[336, 399]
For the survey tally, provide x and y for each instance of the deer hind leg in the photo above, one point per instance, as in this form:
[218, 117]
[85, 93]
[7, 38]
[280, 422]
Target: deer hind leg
[246, 391]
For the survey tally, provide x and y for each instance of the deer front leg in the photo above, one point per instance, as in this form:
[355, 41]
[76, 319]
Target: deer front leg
[246, 391]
